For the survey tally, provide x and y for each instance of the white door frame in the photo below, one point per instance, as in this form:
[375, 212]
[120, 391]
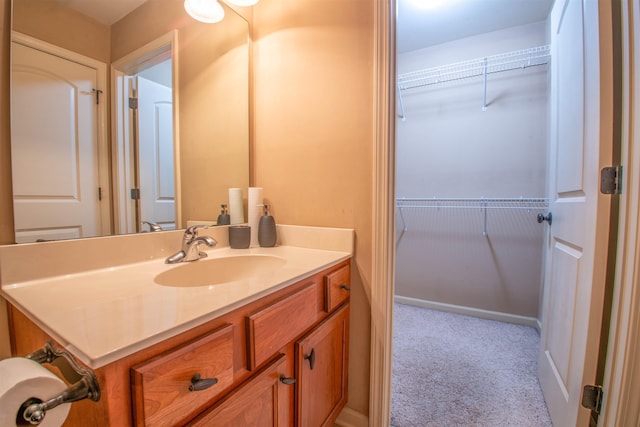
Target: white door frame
[383, 242]
[156, 51]
[101, 120]
[622, 376]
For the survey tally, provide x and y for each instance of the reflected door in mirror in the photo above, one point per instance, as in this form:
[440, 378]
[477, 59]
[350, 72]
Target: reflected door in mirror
[54, 147]
[155, 141]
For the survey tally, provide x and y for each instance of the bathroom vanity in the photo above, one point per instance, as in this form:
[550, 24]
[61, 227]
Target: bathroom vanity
[264, 350]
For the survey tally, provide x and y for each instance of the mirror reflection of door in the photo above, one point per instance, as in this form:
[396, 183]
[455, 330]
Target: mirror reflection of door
[55, 146]
[145, 162]
[155, 146]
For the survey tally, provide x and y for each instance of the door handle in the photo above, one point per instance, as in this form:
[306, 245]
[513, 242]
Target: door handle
[542, 218]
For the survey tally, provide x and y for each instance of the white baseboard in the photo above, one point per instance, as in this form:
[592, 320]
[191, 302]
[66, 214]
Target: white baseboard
[470, 311]
[351, 418]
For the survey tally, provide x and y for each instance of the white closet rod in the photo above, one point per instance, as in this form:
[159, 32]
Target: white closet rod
[519, 59]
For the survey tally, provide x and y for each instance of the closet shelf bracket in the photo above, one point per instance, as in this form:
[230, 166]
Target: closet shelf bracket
[484, 96]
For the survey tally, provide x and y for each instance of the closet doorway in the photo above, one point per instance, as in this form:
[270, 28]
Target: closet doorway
[476, 160]
[145, 117]
[471, 155]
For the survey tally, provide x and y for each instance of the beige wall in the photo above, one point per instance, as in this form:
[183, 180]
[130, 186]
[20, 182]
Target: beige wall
[449, 148]
[214, 119]
[6, 200]
[213, 102]
[314, 138]
[61, 26]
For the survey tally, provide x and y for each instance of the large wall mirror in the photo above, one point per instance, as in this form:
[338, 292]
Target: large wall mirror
[124, 119]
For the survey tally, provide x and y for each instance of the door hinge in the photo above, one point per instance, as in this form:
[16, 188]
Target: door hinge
[592, 397]
[135, 193]
[97, 92]
[610, 180]
[133, 103]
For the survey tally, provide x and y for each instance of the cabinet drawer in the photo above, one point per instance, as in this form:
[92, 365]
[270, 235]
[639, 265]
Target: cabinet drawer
[161, 386]
[262, 401]
[273, 327]
[336, 288]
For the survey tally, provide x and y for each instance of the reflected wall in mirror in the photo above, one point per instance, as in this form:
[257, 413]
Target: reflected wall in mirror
[209, 118]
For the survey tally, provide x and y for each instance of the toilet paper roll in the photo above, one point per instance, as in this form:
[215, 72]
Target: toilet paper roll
[254, 209]
[22, 379]
[236, 210]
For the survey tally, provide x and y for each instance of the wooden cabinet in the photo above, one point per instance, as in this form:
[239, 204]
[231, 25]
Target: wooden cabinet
[248, 367]
[322, 370]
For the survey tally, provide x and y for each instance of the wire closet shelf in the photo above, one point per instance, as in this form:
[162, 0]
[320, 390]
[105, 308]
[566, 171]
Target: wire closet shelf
[519, 59]
[482, 204]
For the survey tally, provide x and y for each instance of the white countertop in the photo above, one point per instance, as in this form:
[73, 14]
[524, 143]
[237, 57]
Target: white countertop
[106, 314]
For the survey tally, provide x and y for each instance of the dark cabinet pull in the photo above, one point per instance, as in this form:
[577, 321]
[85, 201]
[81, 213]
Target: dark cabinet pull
[311, 357]
[345, 287]
[287, 381]
[198, 384]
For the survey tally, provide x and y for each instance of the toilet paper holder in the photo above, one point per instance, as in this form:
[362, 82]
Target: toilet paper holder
[84, 383]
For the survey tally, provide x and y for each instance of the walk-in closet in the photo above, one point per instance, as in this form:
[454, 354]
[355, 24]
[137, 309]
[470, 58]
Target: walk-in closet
[472, 138]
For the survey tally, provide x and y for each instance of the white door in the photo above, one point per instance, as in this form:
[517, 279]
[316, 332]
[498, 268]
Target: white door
[577, 238]
[155, 153]
[54, 148]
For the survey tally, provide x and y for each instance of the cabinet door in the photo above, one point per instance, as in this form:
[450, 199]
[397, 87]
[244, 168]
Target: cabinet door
[322, 358]
[263, 401]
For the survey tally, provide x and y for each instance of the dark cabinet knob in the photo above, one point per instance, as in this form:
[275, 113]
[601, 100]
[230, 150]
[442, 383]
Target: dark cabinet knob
[345, 287]
[198, 383]
[311, 357]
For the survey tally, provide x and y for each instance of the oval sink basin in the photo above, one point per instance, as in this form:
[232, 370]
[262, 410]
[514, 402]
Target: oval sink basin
[216, 271]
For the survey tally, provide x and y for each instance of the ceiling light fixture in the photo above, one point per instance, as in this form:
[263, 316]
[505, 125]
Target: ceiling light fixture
[243, 2]
[207, 11]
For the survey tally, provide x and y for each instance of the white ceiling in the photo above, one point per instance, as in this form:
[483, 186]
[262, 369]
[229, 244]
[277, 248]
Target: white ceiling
[104, 11]
[423, 23]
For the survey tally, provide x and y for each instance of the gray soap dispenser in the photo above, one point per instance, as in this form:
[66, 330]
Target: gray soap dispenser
[223, 218]
[267, 229]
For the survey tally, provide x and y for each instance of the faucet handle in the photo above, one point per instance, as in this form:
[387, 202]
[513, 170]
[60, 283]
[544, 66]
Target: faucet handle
[153, 226]
[192, 231]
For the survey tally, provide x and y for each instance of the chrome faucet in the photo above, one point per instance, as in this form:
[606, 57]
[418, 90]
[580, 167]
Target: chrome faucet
[191, 246]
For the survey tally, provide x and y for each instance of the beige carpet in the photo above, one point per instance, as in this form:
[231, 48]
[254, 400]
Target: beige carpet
[455, 370]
